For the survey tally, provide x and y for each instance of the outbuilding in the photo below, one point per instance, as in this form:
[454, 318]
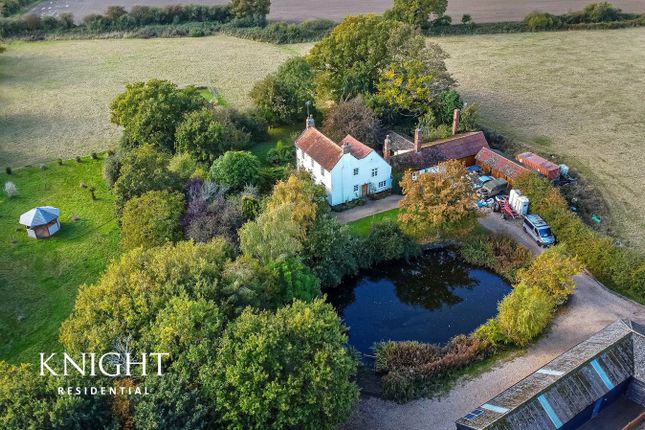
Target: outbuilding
[499, 166]
[41, 222]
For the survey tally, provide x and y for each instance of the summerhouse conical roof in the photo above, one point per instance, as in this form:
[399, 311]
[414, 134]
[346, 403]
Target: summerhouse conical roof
[39, 216]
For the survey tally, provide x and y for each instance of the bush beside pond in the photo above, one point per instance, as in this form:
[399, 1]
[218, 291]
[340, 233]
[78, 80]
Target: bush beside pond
[496, 252]
[411, 369]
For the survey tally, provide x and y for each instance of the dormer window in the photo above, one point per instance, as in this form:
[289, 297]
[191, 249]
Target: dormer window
[375, 172]
[356, 171]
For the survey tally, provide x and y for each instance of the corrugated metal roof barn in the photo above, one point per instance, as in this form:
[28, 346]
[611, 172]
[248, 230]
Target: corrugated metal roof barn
[573, 387]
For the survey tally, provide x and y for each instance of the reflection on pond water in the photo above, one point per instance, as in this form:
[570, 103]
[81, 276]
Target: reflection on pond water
[430, 299]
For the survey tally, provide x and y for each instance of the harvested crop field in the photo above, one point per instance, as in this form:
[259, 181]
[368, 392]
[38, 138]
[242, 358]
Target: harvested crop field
[54, 95]
[578, 95]
[299, 10]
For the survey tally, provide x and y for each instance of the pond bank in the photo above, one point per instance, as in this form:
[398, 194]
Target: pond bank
[590, 308]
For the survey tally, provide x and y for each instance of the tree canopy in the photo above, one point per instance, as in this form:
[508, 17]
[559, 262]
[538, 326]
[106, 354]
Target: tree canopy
[282, 97]
[284, 370]
[235, 169]
[353, 117]
[143, 169]
[150, 111]
[152, 219]
[436, 201]
[417, 12]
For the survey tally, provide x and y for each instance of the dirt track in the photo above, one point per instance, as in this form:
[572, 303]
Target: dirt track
[591, 308]
[298, 10]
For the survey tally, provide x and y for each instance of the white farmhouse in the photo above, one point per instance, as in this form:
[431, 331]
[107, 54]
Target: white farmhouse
[349, 170]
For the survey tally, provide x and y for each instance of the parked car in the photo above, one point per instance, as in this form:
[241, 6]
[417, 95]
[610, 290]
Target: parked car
[492, 188]
[479, 181]
[539, 230]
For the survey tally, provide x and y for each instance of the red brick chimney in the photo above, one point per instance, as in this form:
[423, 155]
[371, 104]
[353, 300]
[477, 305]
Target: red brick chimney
[455, 121]
[418, 139]
[386, 148]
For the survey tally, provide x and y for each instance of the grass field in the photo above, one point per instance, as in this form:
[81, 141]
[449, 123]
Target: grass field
[54, 95]
[298, 10]
[39, 278]
[578, 95]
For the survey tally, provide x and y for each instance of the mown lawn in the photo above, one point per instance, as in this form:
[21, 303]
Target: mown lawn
[362, 226]
[39, 278]
[55, 95]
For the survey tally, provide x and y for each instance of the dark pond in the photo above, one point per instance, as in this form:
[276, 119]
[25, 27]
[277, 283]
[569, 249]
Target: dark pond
[430, 299]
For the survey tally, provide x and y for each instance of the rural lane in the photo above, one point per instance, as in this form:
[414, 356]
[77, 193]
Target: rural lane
[591, 307]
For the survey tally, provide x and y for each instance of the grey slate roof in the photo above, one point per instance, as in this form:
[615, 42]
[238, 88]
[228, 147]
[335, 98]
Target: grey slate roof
[567, 385]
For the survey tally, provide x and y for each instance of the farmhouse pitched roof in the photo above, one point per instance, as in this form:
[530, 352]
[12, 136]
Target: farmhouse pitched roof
[499, 163]
[39, 216]
[460, 146]
[325, 151]
[358, 149]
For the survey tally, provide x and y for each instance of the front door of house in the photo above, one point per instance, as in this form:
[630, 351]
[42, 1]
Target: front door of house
[364, 190]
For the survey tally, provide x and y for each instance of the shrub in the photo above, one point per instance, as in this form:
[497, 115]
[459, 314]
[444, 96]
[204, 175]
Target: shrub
[600, 12]
[385, 242]
[95, 156]
[413, 369]
[151, 219]
[43, 167]
[209, 214]
[552, 272]
[60, 161]
[184, 165]
[235, 169]
[497, 252]
[525, 313]
[281, 154]
[112, 168]
[10, 189]
[8, 170]
[78, 159]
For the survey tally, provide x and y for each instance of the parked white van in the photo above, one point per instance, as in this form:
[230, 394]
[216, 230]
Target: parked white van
[539, 230]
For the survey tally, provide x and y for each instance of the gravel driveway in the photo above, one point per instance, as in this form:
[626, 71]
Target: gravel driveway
[591, 308]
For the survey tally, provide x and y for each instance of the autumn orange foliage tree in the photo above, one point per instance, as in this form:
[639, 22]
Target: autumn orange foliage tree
[437, 202]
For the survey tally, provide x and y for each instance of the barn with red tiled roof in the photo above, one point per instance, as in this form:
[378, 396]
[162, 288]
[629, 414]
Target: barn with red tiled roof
[499, 166]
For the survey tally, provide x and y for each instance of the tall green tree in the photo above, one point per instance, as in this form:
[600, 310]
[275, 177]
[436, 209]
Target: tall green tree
[143, 169]
[135, 289]
[201, 136]
[348, 61]
[417, 12]
[282, 97]
[253, 9]
[284, 370]
[150, 111]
